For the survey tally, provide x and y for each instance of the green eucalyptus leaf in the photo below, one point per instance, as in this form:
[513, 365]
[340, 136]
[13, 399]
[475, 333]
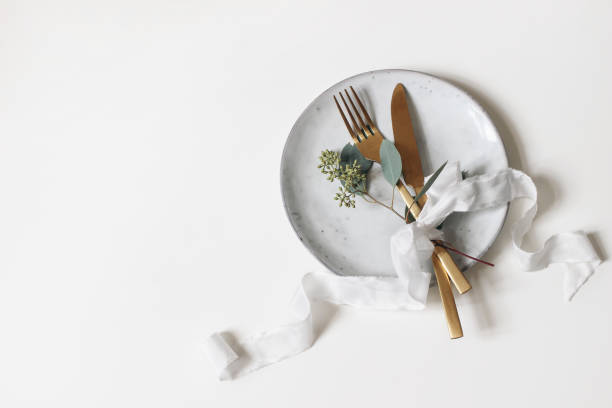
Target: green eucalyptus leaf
[350, 153]
[390, 161]
[429, 182]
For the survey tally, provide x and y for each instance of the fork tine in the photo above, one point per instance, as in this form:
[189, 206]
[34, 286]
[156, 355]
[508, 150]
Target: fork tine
[363, 125]
[357, 128]
[365, 112]
[351, 132]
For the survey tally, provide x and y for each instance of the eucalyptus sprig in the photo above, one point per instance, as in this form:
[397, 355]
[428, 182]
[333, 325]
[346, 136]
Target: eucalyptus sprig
[350, 168]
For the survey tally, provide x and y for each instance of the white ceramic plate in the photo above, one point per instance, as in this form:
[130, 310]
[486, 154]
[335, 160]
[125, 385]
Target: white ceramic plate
[449, 125]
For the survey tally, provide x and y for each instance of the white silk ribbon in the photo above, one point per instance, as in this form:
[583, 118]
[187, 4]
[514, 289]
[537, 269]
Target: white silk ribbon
[411, 249]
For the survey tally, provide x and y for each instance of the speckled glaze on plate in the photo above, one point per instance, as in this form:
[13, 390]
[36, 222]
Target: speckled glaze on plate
[449, 125]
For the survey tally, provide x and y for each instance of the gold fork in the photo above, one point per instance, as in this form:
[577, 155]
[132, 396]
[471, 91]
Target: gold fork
[368, 139]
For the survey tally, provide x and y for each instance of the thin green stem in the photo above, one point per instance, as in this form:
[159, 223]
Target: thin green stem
[366, 200]
[375, 201]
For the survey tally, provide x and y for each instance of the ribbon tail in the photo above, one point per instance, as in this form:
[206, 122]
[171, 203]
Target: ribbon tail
[576, 276]
[573, 249]
[233, 356]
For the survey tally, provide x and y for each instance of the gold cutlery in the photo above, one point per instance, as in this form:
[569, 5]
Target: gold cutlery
[368, 139]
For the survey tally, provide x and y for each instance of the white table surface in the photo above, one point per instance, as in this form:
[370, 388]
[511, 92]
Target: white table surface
[140, 207]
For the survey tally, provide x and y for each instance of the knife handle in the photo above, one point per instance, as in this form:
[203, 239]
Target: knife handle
[446, 261]
[448, 301]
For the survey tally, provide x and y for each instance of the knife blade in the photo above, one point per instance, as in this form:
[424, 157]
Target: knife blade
[405, 141]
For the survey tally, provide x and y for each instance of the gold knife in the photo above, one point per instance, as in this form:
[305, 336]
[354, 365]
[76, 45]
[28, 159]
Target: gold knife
[444, 266]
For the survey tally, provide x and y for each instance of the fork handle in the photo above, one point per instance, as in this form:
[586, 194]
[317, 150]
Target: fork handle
[446, 261]
[455, 274]
[448, 301]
